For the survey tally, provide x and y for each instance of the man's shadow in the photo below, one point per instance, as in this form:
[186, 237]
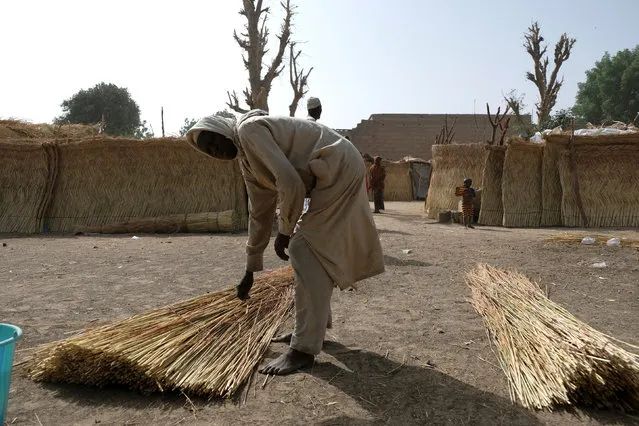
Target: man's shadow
[394, 393]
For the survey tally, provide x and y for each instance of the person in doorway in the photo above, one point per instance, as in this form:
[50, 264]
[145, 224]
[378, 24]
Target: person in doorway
[467, 192]
[314, 107]
[335, 243]
[376, 182]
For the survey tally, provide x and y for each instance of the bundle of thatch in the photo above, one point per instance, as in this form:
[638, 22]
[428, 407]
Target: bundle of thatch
[209, 345]
[12, 129]
[226, 221]
[492, 208]
[551, 358]
[451, 164]
[521, 185]
[607, 178]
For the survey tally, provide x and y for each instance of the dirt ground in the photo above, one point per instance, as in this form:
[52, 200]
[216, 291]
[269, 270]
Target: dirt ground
[406, 348]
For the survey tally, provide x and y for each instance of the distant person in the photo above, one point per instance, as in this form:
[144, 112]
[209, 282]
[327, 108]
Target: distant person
[467, 192]
[377, 174]
[314, 107]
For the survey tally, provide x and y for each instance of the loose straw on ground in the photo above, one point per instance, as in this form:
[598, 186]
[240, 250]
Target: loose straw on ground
[208, 346]
[551, 358]
[600, 239]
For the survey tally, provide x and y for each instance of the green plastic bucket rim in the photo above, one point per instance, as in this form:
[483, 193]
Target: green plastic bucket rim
[17, 333]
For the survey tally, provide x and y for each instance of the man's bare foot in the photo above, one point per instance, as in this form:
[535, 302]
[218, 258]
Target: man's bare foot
[288, 363]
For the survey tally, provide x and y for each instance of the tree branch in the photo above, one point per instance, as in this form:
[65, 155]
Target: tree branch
[298, 80]
[234, 104]
[548, 89]
[275, 69]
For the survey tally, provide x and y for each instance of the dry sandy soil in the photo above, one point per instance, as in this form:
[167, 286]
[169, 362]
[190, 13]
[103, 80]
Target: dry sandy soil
[407, 348]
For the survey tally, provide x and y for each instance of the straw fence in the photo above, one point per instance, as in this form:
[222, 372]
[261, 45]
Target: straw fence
[492, 208]
[398, 185]
[100, 181]
[607, 176]
[27, 176]
[551, 185]
[399, 182]
[521, 185]
[451, 164]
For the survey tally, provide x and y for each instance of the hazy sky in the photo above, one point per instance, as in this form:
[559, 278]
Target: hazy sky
[370, 56]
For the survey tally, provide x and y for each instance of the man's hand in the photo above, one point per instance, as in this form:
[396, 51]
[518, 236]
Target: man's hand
[245, 285]
[281, 243]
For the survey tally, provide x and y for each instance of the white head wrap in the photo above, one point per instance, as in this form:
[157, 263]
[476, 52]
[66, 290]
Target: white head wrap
[313, 103]
[220, 125]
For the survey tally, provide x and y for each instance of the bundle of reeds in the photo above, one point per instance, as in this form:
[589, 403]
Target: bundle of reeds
[551, 358]
[208, 346]
[226, 221]
[600, 239]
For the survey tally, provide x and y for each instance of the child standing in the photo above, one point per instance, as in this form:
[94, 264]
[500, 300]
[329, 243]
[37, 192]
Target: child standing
[467, 192]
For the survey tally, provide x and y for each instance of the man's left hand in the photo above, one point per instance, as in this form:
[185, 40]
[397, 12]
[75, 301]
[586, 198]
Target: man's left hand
[281, 244]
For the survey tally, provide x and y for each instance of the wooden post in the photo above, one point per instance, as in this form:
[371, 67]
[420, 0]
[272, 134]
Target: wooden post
[162, 113]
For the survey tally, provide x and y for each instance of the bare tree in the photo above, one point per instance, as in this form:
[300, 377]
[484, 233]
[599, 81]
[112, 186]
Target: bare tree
[499, 122]
[298, 80]
[548, 88]
[254, 41]
[446, 134]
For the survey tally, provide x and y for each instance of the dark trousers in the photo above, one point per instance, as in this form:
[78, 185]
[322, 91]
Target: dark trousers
[378, 199]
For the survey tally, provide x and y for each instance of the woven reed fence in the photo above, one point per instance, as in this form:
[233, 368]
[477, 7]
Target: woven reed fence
[101, 181]
[492, 207]
[557, 146]
[551, 191]
[27, 177]
[451, 164]
[608, 181]
[398, 185]
[521, 185]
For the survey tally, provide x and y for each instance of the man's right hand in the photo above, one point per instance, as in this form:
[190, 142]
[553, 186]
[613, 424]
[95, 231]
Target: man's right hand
[245, 285]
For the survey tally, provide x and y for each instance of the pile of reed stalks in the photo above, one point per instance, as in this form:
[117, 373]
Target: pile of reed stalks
[551, 358]
[226, 221]
[208, 346]
[600, 239]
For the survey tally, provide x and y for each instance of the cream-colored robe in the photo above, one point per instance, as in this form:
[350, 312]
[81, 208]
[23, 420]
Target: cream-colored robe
[279, 157]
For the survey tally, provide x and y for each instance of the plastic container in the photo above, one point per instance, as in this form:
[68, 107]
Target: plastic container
[9, 334]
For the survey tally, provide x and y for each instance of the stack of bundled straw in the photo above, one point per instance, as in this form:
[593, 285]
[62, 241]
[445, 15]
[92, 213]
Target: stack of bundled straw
[10, 129]
[550, 357]
[226, 221]
[601, 239]
[208, 346]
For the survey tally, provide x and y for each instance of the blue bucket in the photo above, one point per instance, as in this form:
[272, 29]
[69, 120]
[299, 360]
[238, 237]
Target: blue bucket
[9, 334]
